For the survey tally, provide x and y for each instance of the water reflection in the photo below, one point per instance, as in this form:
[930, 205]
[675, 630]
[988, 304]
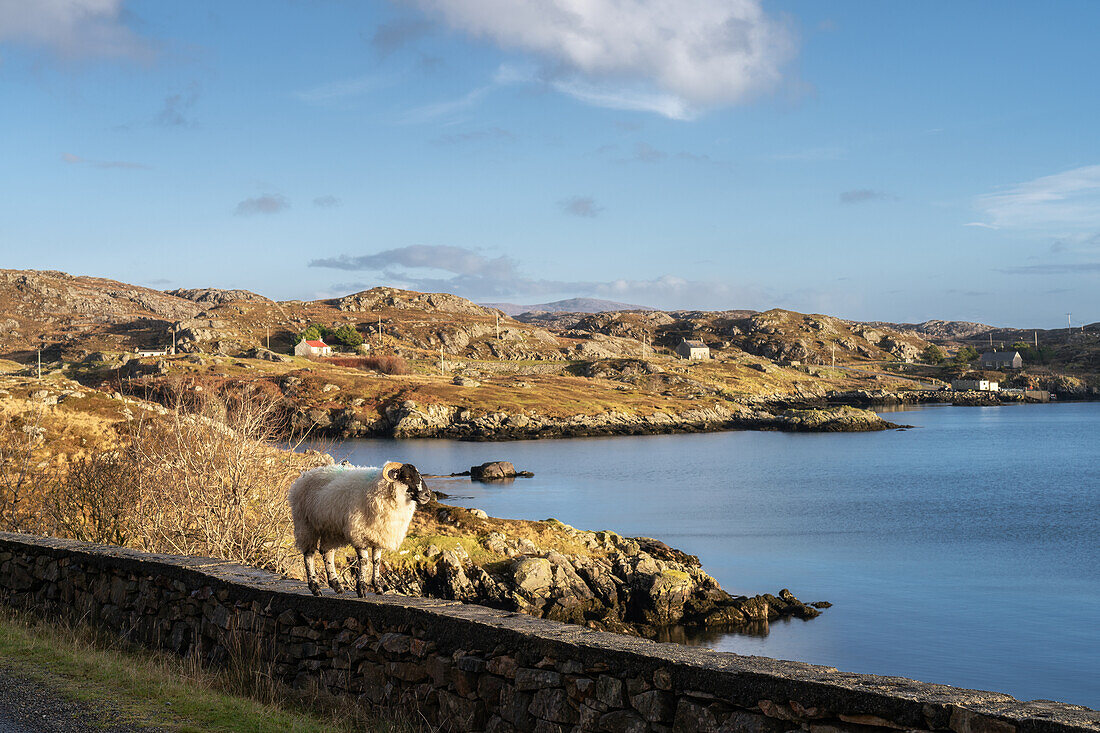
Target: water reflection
[709, 635]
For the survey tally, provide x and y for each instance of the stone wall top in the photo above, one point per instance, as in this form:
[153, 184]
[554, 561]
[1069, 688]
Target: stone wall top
[884, 702]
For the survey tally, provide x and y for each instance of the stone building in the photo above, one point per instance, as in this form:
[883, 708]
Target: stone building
[693, 350]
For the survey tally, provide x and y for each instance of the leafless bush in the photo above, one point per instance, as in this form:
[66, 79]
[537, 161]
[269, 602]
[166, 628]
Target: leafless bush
[212, 483]
[98, 499]
[384, 363]
[387, 364]
[21, 437]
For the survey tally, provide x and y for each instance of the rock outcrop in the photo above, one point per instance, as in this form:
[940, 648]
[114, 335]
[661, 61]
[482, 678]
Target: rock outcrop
[551, 570]
[409, 419]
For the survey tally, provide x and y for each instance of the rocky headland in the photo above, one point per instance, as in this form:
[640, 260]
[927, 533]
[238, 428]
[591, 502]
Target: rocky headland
[410, 419]
[634, 585]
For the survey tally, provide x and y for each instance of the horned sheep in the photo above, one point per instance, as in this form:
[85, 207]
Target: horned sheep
[368, 508]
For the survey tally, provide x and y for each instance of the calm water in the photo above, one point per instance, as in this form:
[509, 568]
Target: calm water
[965, 552]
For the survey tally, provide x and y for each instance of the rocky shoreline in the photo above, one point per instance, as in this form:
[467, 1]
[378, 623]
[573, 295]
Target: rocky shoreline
[547, 569]
[410, 419]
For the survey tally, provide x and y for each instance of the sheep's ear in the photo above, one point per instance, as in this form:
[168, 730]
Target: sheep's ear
[390, 470]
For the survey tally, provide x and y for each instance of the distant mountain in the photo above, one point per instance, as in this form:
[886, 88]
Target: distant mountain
[572, 305]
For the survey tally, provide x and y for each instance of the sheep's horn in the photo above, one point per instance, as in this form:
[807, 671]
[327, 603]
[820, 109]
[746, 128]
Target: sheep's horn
[390, 466]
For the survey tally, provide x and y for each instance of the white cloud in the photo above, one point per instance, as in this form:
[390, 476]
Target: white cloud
[672, 57]
[472, 275]
[1061, 204]
[71, 28]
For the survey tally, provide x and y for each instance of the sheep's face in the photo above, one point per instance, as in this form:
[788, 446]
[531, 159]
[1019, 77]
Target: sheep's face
[407, 476]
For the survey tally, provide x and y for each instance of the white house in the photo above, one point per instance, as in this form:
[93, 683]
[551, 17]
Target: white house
[979, 385]
[312, 348]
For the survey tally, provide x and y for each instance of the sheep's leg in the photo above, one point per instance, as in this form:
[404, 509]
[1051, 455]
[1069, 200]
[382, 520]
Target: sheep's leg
[311, 573]
[330, 568]
[362, 587]
[376, 557]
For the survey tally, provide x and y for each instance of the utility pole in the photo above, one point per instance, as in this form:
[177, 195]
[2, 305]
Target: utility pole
[40, 365]
[1036, 334]
[834, 353]
[1069, 321]
[379, 330]
[441, 371]
[267, 330]
[173, 339]
[498, 326]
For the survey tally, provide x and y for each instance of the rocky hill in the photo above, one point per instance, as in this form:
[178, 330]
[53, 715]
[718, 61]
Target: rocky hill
[44, 307]
[209, 297]
[935, 330]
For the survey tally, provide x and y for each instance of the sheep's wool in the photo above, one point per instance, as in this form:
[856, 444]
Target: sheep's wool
[340, 505]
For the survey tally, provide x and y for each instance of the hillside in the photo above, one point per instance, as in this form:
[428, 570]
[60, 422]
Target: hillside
[459, 369]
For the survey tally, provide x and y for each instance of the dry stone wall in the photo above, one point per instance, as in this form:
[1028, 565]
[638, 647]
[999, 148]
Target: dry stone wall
[466, 667]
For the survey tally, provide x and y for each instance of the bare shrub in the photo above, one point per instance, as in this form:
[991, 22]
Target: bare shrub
[384, 364]
[387, 364]
[21, 439]
[212, 483]
[98, 499]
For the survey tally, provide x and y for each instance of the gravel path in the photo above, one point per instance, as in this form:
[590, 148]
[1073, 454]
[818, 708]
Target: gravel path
[29, 706]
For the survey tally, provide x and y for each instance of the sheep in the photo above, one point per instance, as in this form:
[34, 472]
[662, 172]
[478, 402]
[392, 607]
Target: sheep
[368, 508]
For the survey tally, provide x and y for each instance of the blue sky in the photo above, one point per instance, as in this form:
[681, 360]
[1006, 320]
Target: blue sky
[887, 161]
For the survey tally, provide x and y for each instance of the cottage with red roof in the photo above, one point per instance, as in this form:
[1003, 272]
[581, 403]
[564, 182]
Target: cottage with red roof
[312, 348]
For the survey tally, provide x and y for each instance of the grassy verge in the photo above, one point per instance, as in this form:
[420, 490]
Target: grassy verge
[143, 688]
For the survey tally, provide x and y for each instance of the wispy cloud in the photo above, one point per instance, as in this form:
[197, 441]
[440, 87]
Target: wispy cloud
[1057, 204]
[666, 105]
[326, 202]
[268, 203]
[472, 274]
[73, 29]
[123, 164]
[176, 110]
[636, 56]
[583, 206]
[863, 195]
[447, 107]
[1078, 268]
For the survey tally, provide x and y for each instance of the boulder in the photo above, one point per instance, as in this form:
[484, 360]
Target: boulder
[492, 470]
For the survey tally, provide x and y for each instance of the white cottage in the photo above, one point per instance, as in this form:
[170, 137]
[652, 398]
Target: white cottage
[312, 348]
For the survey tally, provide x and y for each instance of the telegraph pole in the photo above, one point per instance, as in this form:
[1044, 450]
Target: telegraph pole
[1069, 321]
[267, 330]
[441, 371]
[498, 326]
[40, 365]
[834, 353]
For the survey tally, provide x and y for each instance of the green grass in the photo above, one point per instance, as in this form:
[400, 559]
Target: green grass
[158, 689]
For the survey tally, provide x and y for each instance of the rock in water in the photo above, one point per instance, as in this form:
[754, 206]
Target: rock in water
[492, 470]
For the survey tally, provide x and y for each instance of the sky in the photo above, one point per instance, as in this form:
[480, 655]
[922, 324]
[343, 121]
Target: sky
[874, 161]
